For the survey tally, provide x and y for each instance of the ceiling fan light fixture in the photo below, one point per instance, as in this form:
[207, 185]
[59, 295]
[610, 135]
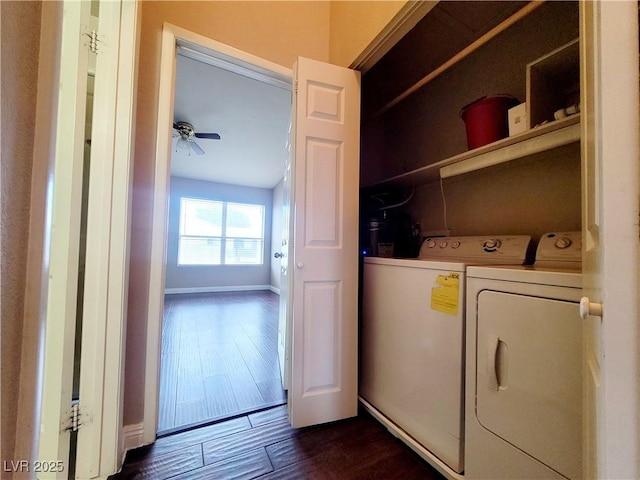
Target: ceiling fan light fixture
[183, 143]
[186, 137]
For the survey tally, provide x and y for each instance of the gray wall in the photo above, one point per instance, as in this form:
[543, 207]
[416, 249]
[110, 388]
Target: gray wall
[426, 126]
[529, 196]
[215, 276]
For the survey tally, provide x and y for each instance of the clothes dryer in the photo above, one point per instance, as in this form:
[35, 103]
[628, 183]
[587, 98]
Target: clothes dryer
[524, 366]
[412, 341]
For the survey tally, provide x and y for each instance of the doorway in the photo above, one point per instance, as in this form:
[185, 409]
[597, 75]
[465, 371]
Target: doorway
[323, 179]
[219, 348]
[219, 357]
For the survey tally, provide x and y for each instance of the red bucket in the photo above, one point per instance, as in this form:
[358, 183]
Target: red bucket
[486, 119]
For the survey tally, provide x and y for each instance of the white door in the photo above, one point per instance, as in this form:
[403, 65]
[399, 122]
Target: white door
[325, 251]
[99, 421]
[284, 321]
[609, 77]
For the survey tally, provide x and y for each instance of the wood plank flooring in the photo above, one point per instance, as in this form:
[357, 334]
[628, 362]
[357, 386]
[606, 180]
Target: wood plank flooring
[219, 357]
[264, 446]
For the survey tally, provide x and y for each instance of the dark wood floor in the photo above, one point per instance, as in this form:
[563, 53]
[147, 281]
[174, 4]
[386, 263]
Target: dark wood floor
[264, 446]
[219, 357]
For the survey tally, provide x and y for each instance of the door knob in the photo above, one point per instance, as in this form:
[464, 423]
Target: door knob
[589, 308]
[278, 255]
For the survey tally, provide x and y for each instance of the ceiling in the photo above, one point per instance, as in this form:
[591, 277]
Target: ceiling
[251, 116]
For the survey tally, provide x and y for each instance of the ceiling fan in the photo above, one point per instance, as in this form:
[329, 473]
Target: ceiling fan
[186, 137]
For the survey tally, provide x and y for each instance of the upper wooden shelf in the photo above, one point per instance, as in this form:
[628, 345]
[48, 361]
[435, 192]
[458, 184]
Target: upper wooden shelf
[546, 137]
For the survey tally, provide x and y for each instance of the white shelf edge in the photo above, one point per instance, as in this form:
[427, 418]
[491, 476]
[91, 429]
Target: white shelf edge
[552, 135]
[554, 139]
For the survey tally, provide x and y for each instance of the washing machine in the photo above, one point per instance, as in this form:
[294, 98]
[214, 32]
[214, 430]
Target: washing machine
[523, 409]
[412, 341]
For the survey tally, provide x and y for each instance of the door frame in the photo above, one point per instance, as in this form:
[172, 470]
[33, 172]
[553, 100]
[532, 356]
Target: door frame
[611, 249]
[221, 55]
[100, 451]
[65, 204]
[100, 447]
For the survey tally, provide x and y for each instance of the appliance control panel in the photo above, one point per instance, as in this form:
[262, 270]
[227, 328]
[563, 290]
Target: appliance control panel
[562, 249]
[492, 249]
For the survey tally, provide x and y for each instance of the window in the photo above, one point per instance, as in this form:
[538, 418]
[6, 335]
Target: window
[220, 233]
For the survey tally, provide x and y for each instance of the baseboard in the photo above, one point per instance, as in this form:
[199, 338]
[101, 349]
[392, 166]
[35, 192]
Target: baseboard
[275, 290]
[233, 288]
[133, 436]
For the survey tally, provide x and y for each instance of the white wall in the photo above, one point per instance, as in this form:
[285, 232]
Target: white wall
[210, 277]
[354, 25]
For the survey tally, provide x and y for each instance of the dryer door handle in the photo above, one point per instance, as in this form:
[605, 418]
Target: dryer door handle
[493, 342]
[589, 308]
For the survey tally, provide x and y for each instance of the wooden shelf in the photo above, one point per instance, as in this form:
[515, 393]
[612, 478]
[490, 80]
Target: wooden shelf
[484, 39]
[546, 137]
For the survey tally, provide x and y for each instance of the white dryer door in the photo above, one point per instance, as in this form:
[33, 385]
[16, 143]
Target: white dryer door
[529, 380]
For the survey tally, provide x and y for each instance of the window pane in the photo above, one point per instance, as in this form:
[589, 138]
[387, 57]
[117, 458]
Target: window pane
[200, 217]
[242, 251]
[245, 221]
[199, 251]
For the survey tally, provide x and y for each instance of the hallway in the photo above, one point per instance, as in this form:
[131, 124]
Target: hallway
[219, 357]
[264, 446]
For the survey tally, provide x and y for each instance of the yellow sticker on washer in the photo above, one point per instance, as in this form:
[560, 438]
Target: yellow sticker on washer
[444, 297]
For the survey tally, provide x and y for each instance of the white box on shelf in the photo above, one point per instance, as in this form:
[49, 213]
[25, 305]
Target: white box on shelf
[517, 119]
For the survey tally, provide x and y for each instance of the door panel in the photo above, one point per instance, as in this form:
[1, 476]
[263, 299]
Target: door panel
[609, 102]
[325, 250]
[322, 183]
[321, 332]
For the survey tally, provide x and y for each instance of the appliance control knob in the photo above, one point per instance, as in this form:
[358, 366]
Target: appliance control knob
[563, 243]
[491, 245]
[443, 244]
[455, 244]
[431, 244]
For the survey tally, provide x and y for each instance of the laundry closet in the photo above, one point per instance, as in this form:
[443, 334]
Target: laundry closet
[529, 195]
[502, 202]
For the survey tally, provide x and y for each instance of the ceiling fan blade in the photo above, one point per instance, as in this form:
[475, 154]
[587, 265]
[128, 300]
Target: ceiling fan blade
[210, 136]
[196, 148]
